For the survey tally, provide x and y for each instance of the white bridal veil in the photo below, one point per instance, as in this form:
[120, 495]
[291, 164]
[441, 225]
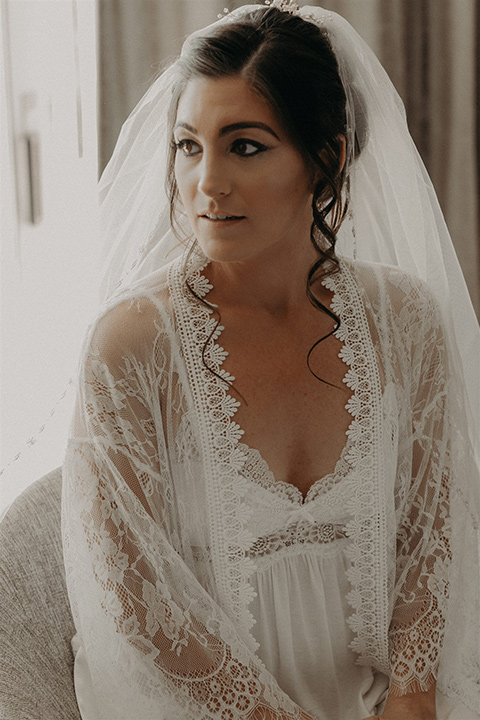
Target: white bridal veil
[395, 212]
[396, 220]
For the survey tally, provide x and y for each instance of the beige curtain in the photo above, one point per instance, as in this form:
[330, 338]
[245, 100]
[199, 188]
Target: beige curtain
[430, 48]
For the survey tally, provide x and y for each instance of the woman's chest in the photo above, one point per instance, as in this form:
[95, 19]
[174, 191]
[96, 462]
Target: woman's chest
[302, 397]
[293, 414]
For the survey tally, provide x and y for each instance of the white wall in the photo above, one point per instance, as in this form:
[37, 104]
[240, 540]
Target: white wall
[47, 267]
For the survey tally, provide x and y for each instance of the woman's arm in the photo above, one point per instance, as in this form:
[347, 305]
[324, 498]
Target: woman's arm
[423, 553]
[412, 706]
[157, 643]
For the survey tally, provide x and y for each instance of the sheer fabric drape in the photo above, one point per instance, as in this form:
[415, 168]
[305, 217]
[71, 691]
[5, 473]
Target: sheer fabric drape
[161, 592]
[428, 48]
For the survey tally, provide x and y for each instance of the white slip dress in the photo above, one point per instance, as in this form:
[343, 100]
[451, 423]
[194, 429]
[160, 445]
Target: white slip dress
[301, 607]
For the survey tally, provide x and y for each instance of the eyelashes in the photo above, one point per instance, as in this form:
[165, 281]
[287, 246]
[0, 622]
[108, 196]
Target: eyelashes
[186, 146]
[241, 147]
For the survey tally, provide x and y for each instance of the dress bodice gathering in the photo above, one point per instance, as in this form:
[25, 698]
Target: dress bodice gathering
[301, 587]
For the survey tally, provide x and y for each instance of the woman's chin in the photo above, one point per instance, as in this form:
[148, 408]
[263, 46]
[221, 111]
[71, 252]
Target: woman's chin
[223, 250]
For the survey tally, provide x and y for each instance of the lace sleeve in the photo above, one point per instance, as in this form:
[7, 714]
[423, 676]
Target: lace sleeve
[423, 546]
[157, 644]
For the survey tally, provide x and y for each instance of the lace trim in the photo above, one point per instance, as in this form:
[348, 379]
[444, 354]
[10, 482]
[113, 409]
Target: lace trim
[226, 457]
[223, 459]
[367, 503]
[256, 469]
[295, 536]
[359, 406]
[298, 533]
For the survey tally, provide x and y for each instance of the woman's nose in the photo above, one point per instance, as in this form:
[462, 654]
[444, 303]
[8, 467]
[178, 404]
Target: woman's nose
[214, 177]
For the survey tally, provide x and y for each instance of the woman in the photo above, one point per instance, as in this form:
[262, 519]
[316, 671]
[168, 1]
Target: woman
[270, 448]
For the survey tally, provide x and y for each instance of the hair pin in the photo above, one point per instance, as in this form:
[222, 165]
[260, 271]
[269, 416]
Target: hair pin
[289, 6]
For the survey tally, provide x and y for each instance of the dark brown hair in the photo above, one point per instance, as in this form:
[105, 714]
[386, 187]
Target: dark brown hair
[289, 61]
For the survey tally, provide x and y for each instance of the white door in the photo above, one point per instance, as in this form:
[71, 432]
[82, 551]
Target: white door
[49, 248]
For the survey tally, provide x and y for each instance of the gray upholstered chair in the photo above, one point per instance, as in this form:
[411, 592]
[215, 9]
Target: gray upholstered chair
[36, 626]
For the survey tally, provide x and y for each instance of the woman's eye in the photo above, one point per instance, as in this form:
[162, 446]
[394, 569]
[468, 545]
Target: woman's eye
[188, 147]
[247, 148]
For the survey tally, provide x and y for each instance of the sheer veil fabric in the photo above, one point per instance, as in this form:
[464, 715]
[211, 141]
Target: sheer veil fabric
[160, 592]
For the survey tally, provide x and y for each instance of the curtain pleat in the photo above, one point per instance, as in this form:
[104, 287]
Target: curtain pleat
[451, 47]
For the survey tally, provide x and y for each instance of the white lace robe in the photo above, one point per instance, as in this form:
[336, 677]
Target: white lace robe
[161, 556]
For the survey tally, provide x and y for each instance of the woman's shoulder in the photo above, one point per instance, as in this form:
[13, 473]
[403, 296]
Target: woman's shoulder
[391, 286]
[131, 322]
[400, 307]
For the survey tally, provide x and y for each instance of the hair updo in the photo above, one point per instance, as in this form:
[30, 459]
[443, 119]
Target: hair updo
[289, 61]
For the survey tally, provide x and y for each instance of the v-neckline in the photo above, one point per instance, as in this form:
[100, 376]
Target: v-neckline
[218, 438]
[287, 490]
[352, 353]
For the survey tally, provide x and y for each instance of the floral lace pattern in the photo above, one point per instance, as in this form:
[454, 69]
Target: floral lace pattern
[363, 455]
[230, 542]
[161, 536]
[232, 456]
[298, 538]
[150, 626]
[256, 468]
[300, 533]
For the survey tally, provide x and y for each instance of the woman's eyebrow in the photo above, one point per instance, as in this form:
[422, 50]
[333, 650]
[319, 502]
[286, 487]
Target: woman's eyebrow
[245, 125]
[231, 128]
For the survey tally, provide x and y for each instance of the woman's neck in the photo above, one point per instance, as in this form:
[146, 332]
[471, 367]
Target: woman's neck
[274, 282]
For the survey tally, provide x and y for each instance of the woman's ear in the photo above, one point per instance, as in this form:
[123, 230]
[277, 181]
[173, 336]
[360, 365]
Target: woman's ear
[343, 152]
[340, 159]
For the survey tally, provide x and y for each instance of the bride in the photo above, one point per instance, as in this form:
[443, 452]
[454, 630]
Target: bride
[270, 503]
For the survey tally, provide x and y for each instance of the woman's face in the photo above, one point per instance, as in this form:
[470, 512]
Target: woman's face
[245, 188]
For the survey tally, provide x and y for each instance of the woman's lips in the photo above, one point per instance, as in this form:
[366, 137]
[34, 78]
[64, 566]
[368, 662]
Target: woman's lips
[221, 217]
